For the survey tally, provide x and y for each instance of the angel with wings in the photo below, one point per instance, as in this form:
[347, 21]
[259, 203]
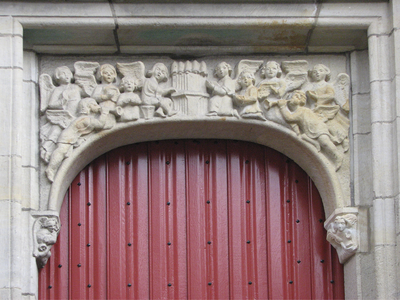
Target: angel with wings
[331, 102]
[247, 99]
[128, 102]
[342, 235]
[153, 94]
[221, 103]
[59, 103]
[223, 91]
[107, 93]
[275, 86]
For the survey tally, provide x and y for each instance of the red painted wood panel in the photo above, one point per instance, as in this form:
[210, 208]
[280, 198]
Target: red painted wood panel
[207, 201]
[247, 228]
[196, 219]
[127, 264]
[167, 224]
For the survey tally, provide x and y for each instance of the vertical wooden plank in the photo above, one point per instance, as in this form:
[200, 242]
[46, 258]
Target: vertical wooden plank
[247, 226]
[78, 228]
[208, 273]
[88, 233]
[97, 232]
[301, 261]
[276, 203]
[136, 200]
[116, 220]
[321, 268]
[128, 223]
[167, 220]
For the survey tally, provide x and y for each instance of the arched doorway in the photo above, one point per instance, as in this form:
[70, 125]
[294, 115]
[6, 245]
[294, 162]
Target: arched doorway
[193, 219]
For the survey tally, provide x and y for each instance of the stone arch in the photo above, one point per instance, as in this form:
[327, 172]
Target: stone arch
[269, 134]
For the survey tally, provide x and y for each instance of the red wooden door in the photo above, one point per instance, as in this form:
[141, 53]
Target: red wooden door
[192, 219]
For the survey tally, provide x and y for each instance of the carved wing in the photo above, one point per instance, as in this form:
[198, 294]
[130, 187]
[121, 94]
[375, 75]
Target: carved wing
[248, 65]
[296, 74]
[85, 76]
[342, 90]
[134, 69]
[59, 117]
[46, 87]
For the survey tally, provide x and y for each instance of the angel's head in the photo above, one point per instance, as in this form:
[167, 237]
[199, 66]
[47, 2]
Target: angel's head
[298, 98]
[88, 106]
[50, 223]
[320, 72]
[159, 72]
[127, 85]
[223, 69]
[63, 75]
[246, 79]
[107, 73]
[340, 223]
[271, 69]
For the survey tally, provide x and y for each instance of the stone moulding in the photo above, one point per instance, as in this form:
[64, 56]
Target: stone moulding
[288, 106]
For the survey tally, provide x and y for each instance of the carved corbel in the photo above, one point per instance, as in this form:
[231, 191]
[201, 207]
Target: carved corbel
[45, 231]
[347, 231]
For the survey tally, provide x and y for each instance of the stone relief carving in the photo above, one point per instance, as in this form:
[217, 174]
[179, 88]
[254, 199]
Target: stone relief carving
[342, 234]
[45, 231]
[96, 98]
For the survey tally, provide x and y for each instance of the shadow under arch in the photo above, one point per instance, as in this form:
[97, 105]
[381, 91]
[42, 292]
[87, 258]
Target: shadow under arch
[269, 134]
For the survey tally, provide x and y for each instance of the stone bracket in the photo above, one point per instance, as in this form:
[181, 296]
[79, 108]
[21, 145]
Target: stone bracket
[45, 231]
[347, 231]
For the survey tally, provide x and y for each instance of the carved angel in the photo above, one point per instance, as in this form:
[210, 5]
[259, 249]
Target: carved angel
[46, 230]
[247, 100]
[59, 103]
[331, 102]
[154, 95]
[222, 91]
[106, 93]
[275, 86]
[128, 102]
[342, 235]
[309, 126]
[71, 137]
[155, 99]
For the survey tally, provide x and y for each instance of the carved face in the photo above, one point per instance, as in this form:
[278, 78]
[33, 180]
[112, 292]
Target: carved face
[246, 80]
[108, 75]
[271, 70]
[341, 224]
[65, 77]
[129, 86]
[318, 73]
[160, 74]
[297, 99]
[221, 70]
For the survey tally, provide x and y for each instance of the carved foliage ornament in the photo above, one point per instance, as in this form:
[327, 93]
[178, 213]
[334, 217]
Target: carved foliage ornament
[89, 100]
